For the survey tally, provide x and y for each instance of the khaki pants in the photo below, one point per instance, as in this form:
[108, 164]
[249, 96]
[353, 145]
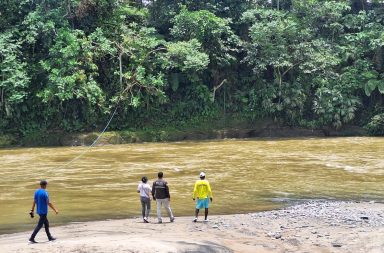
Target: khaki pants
[166, 204]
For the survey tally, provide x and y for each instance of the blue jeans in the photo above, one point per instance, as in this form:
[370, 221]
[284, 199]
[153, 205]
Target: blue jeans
[146, 206]
[42, 221]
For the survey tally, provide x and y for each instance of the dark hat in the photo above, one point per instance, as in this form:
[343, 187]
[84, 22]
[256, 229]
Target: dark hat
[43, 182]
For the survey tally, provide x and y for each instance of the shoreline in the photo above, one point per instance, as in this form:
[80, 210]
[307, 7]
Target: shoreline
[313, 226]
[260, 130]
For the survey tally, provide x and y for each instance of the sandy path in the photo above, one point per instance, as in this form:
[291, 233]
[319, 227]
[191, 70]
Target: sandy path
[315, 226]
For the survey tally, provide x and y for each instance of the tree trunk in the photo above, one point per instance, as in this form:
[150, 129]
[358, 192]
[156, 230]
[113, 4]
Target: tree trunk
[121, 69]
[1, 97]
[216, 88]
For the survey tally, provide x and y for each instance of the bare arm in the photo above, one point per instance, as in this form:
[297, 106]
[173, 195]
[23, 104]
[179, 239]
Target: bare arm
[53, 208]
[33, 205]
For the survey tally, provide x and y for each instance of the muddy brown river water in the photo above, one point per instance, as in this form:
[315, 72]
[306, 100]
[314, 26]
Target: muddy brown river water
[245, 175]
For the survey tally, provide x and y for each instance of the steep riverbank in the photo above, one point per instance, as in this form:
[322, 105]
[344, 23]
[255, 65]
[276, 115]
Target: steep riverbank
[209, 131]
[315, 226]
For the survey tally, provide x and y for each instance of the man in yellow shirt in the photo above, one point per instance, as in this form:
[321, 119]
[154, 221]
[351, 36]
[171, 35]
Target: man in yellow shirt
[202, 194]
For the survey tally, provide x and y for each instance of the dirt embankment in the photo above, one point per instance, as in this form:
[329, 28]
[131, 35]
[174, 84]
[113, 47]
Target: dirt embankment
[260, 130]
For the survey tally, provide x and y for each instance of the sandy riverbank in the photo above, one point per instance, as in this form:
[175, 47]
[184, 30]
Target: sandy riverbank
[315, 226]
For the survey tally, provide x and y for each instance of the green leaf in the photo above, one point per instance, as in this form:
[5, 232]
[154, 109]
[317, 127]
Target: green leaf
[370, 86]
[380, 86]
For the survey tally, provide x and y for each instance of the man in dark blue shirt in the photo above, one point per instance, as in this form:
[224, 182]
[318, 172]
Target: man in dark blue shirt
[41, 201]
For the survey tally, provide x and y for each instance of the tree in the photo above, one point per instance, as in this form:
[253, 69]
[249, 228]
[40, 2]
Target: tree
[284, 53]
[324, 18]
[217, 40]
[66, 64]
[214, 34]
[71, 77]
[14, 79]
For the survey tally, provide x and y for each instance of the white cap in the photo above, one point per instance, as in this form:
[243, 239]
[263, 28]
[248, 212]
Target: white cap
[202, 174]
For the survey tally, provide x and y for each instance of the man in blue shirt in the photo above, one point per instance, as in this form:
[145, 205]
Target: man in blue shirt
[41, 201]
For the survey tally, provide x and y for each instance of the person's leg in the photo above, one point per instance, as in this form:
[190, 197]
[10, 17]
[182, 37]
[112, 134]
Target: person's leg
[169, 210]
[148, 207]
[38, 227]
[205, 205]
[199, 205]
[196, 214]
[206, 213]
[143, 205]
[46, 226]
[158, 203]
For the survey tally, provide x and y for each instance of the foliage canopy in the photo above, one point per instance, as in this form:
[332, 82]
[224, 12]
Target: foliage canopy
[64, 65]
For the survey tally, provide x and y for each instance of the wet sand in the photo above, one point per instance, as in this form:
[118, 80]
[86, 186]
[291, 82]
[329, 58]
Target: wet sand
[314, 226]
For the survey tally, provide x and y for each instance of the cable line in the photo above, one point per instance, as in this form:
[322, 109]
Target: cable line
[97, 139]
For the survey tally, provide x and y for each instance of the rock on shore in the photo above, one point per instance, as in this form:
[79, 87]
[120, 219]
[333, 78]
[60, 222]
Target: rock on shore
[315, 226]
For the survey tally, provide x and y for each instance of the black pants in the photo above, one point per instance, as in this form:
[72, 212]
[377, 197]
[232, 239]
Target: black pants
[42, 221]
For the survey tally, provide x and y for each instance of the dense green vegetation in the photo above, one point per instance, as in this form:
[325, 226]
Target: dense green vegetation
[65, 65]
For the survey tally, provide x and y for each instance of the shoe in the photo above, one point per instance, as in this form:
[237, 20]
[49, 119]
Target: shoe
[160, 222]
[32, 240]
[206, 220]
[52, 239]
[146, 220]
[195, 220]
[172, 219]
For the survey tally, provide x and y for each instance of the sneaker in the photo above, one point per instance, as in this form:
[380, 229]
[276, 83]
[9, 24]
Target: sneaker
[52, 239]
[195, 220]
[160, 222]
[146, 220]
[206, 220]
[32, 240]
[172, 219]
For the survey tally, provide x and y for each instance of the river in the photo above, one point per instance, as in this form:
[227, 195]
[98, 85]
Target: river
[245, 175]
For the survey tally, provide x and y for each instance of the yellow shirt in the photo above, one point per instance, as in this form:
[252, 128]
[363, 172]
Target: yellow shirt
[202, 190]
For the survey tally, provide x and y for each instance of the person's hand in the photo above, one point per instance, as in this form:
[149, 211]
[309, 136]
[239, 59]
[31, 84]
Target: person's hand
[57, 211]
[211, 199]
[193, 199]
[31, 213]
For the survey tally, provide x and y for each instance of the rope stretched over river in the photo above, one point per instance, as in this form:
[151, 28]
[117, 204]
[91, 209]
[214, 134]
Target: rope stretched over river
[98, 137]
[93, 144]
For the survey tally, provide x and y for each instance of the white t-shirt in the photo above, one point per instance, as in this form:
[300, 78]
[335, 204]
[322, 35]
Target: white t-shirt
[145, 189]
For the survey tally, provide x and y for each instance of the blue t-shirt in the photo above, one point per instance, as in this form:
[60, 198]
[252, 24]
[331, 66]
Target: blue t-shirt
[42, 200]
